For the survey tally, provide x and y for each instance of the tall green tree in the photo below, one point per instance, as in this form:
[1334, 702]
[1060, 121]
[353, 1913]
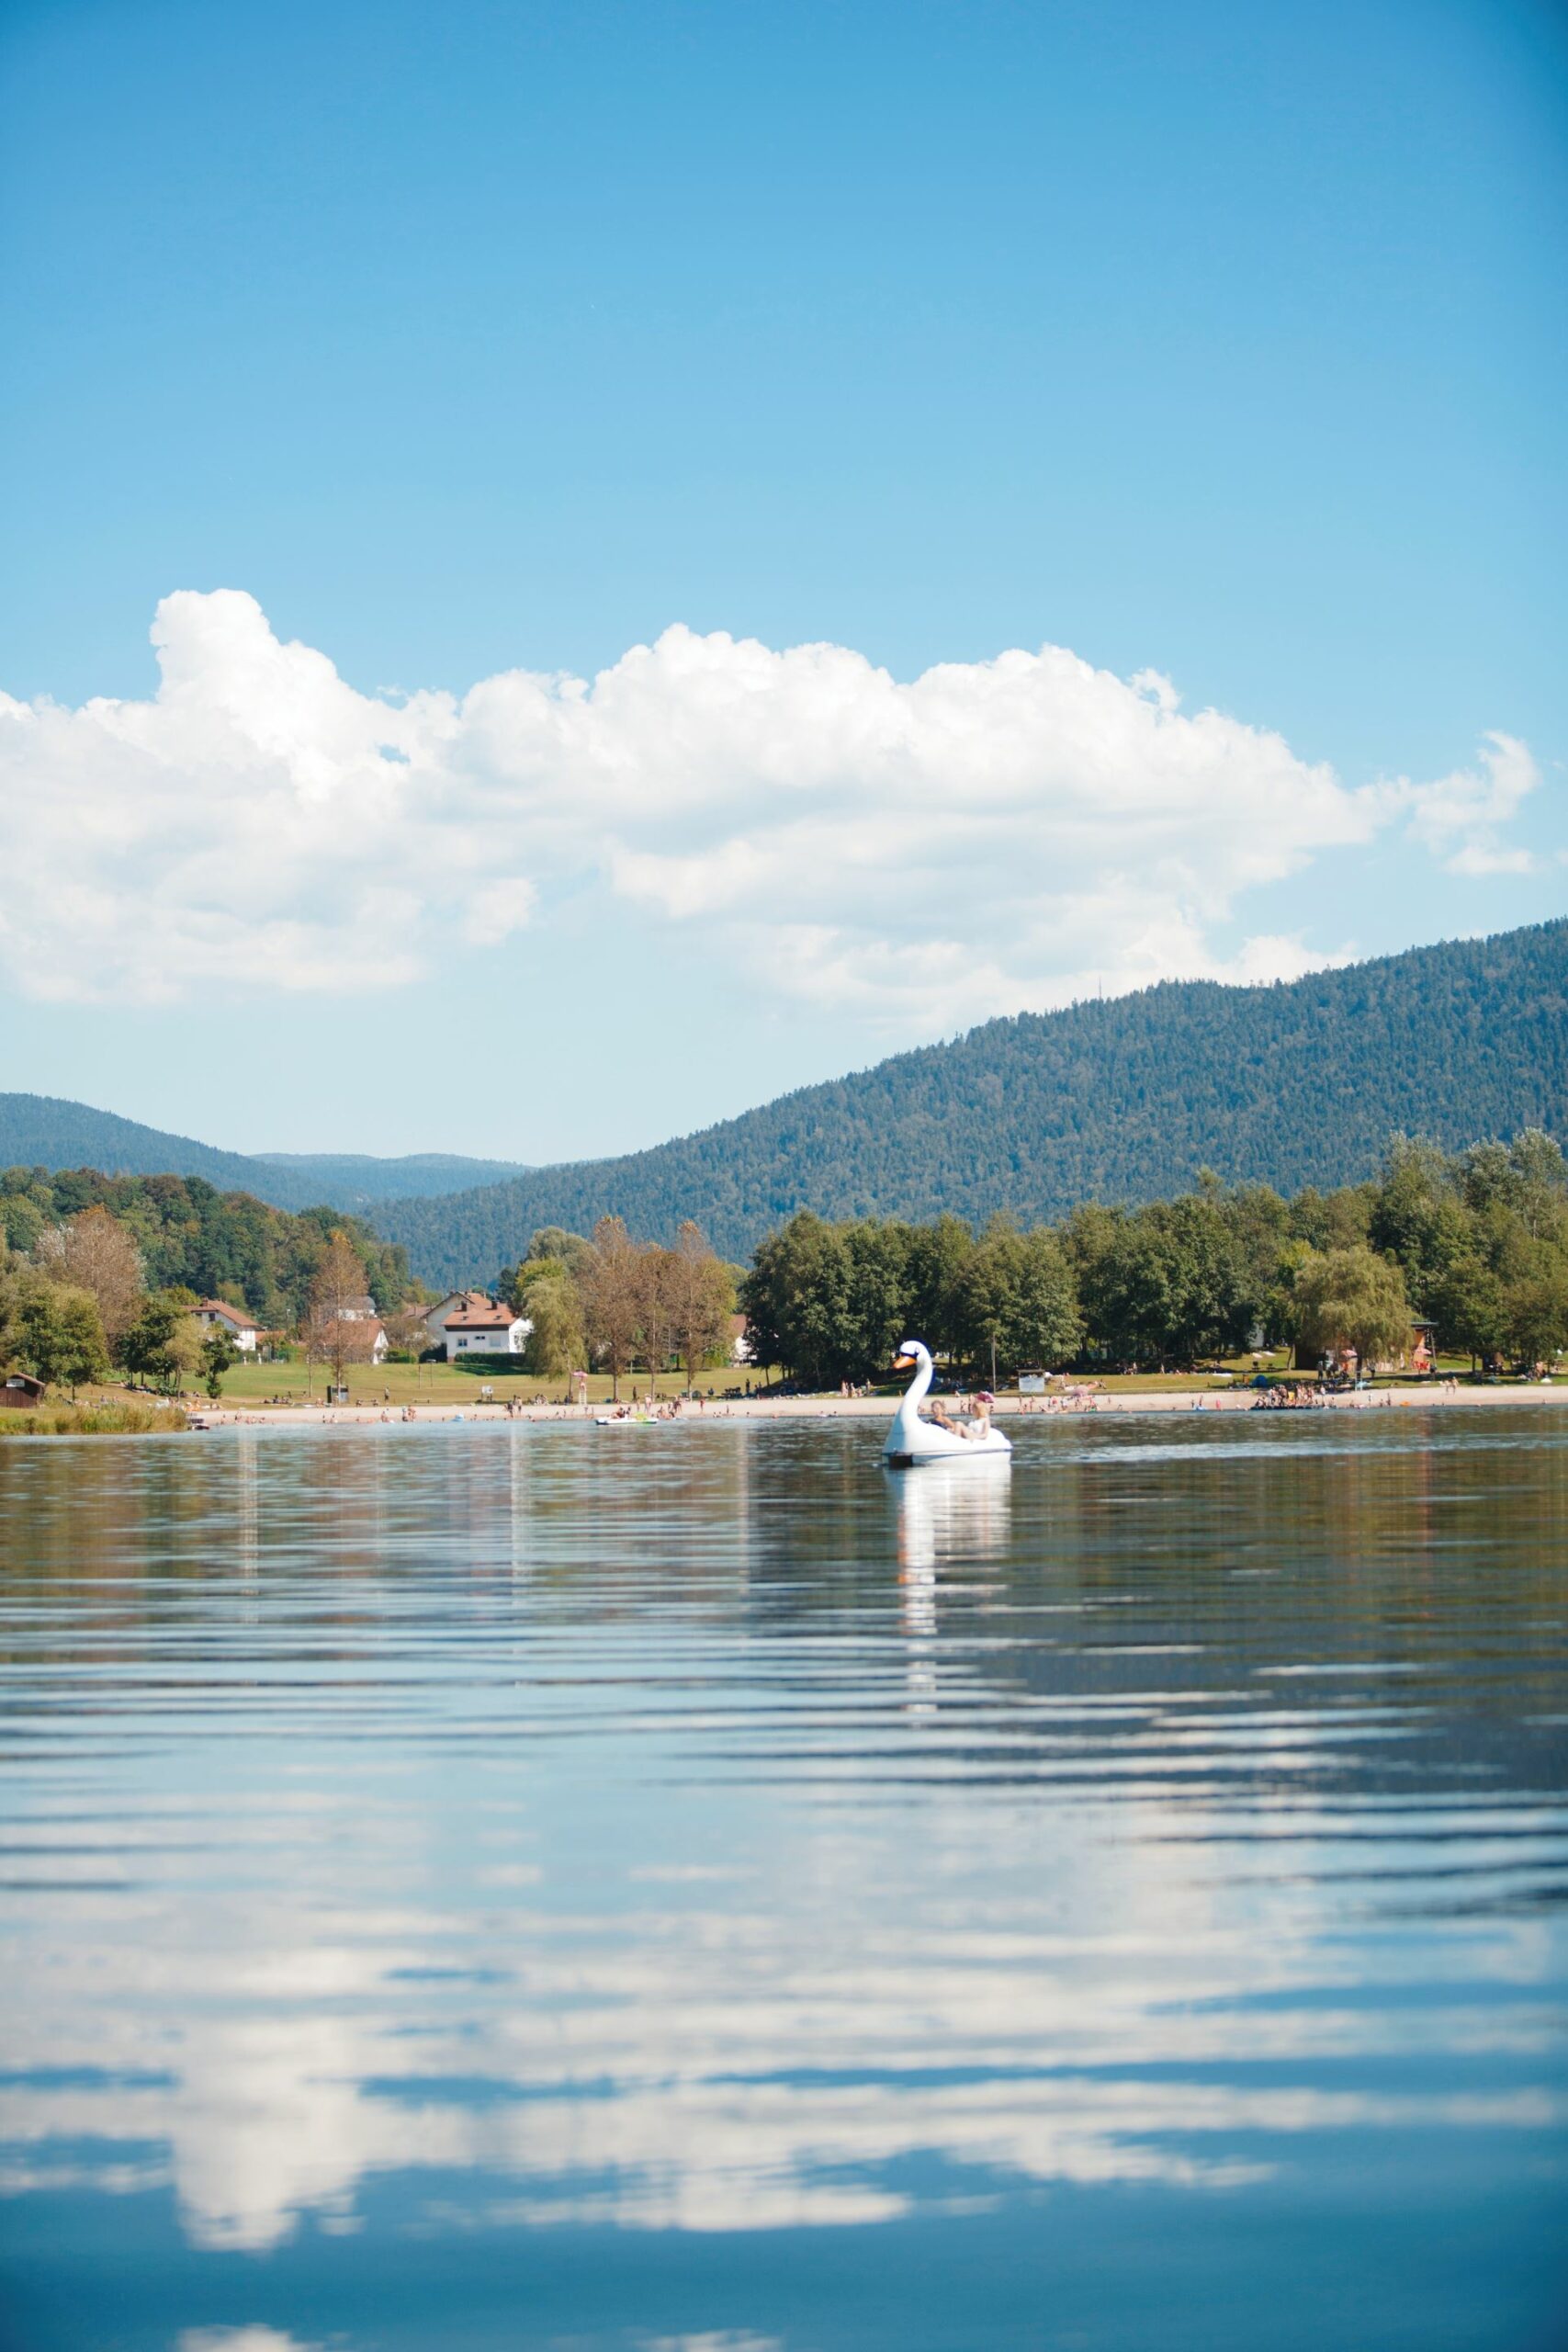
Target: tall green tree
[1534, 1320]
[1017, 1301]
[1466, 1303]
[1418, 1216]
[57, 1335]
[218, 1355]
[1167, 1283]
[163, 1343]
[936, 1258]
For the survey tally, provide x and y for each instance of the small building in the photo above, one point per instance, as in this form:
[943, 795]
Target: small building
[739, 1340]
[467, 1323]
[20, 1390]
[486, 1331]
[216, 1313]
[455, 1302]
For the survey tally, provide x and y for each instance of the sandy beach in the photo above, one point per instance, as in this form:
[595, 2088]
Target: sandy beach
[1082, 1406]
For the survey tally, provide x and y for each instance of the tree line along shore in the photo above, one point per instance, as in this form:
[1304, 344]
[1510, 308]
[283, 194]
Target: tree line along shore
[1459, 1258]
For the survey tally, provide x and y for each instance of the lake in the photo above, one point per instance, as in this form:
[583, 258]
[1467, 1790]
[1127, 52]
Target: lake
[682, 1888]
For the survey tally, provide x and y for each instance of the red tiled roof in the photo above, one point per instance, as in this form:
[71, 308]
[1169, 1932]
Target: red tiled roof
[222, 1306]
[493, 1318]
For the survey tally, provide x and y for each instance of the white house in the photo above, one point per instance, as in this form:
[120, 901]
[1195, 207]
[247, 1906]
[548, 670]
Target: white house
[466, 1323]
[453, 1304]
[216, 1313]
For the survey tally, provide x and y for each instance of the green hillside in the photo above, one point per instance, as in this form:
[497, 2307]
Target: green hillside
[44, 1131]
[1123, 1101]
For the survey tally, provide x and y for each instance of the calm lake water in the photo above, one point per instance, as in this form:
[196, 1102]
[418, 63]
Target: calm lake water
[682, 1890]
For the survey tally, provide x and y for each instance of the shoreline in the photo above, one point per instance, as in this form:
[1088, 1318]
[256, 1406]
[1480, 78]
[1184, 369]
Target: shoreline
[874, 1408]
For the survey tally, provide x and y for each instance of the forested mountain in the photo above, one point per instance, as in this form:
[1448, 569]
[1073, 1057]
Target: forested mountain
[351, 1179]
[44, 1131]
[1121, 1101]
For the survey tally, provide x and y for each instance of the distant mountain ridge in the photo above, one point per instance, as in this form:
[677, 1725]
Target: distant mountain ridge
[46, 1131]
[1123, 1100]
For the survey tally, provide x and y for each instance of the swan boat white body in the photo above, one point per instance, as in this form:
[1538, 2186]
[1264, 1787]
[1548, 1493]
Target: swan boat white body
[911, 1441]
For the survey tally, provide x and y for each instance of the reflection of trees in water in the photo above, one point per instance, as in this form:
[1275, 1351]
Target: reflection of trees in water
[1346, 1569]
[1187, 1560]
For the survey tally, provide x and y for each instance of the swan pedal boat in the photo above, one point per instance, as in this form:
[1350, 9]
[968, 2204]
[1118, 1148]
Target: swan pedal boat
[912, 1441]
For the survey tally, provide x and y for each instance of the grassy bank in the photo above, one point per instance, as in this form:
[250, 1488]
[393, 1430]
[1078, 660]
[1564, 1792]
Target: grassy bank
[97, 1417]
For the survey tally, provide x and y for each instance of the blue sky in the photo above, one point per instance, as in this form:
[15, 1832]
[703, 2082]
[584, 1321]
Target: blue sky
[1223, 343]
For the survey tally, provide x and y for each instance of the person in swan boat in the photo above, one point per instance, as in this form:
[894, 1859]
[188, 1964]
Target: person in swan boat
[979, 1421]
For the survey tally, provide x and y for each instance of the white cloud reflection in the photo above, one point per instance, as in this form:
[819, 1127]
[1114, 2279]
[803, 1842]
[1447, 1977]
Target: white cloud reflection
[765, 2067]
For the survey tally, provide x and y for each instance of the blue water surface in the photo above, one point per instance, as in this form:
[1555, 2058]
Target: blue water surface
[686, 1890]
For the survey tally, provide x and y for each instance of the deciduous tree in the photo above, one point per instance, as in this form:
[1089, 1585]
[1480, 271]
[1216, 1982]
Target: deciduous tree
[1017, 1301]
[218, 1355]
[611, 1289]
[339, 1330]
[702, 1297]
[57, 1334]
[94, 1252]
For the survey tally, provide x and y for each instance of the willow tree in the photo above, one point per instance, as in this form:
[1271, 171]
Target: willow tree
[1352, 1298]
[553, 1305]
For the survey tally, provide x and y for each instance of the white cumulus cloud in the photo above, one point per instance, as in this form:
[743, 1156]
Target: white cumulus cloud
[1460, 817]
[987, 835]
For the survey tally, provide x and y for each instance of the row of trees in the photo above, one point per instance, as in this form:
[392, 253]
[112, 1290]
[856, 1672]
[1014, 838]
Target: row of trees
[188, 1236]
[77, 1306]
[1477, 1244]
[615, 1302]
